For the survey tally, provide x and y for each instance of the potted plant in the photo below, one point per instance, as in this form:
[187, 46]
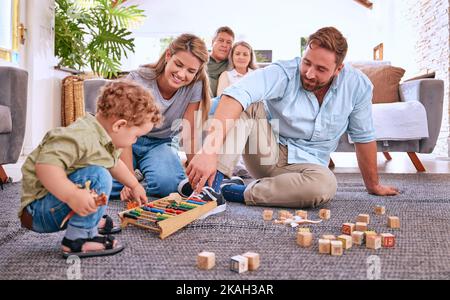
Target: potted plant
[94, 34]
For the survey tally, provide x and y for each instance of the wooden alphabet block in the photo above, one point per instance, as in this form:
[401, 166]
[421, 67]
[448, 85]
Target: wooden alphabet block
[304, 229]
[369, 233]
[267, 214]
[387, 240]
[324, 214]
[380, 210]
[239, 264]
[253, 260]
[302, 213]
[328, 237]
[324, 246]
[361, 226]
[358, 238]
[365, 218]
[346, 241]
[304, 239]
[348, 228]
[336, 248]
[206, 260]
[373, 241]
[393, 222]
[283, 214]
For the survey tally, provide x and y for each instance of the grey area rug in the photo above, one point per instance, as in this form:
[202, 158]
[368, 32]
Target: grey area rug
[422, 250]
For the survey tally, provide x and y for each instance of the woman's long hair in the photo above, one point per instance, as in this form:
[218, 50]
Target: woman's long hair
[192, 44]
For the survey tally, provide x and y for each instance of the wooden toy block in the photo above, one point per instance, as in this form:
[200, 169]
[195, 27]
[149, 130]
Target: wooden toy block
[358, 238]
[336, 248]
[365, 218]
[267, 214]
[239, 264]
[387, 240]
[380, 210]
[368, 233]
[346, 241]
[324, 246]
[253, 260]
[304, 229]
[206, 260]
[283, 214]
[324, 214]
[328, 237]
[304, 239]
[348, 228]
[361, 226]
[393, 222]
[302, 213]
[373, 241]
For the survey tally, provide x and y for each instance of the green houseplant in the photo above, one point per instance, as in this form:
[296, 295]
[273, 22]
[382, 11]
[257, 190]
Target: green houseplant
[94, 33]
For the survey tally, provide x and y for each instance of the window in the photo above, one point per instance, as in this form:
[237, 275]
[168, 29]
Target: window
[9, 23]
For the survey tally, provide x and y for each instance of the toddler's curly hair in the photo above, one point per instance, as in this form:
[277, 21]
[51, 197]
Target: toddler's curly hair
[130, 101]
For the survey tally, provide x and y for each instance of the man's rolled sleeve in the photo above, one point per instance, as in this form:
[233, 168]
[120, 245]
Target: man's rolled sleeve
[360, 127]
[263, 84]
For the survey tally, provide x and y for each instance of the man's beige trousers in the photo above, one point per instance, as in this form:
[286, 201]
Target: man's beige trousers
[278, 183]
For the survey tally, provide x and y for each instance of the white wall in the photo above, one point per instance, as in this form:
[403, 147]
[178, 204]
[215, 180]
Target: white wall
[278, 25]
[266, 24]
[44, 87]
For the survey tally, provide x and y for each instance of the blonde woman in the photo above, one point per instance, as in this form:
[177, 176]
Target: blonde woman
[242, 61]
[180, 84]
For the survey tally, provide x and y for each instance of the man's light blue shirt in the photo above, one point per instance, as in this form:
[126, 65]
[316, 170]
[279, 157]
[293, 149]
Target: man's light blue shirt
[311, 132]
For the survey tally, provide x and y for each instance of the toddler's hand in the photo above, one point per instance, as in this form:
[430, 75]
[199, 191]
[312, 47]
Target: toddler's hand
[82, 202]
[138, 194]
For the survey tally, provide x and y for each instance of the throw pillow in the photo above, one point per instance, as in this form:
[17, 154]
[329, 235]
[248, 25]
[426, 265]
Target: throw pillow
[385, 80]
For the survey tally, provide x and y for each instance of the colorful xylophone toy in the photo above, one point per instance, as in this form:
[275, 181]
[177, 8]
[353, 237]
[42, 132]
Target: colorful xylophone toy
[166, 215]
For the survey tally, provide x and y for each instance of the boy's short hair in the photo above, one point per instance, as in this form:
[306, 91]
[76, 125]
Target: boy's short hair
[130, 101]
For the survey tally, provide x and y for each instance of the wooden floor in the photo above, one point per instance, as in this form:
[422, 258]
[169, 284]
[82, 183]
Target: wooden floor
[400, 163]
[344, 163]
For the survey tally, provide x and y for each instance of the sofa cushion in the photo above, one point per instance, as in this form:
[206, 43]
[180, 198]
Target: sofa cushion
[385, 80]
[5, 119]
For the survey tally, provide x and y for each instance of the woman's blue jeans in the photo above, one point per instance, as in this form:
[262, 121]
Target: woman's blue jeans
[158, 161]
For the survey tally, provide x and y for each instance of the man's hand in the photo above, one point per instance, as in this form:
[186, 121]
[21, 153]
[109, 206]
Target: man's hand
[82, 202]
[201, 169]
[383, 190]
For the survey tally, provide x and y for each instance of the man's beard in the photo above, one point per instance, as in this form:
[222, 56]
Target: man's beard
[315, 87]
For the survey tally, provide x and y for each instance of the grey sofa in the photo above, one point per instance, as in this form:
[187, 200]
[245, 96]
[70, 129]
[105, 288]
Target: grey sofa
[13, 110]
[91, 88]
[430, 92]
